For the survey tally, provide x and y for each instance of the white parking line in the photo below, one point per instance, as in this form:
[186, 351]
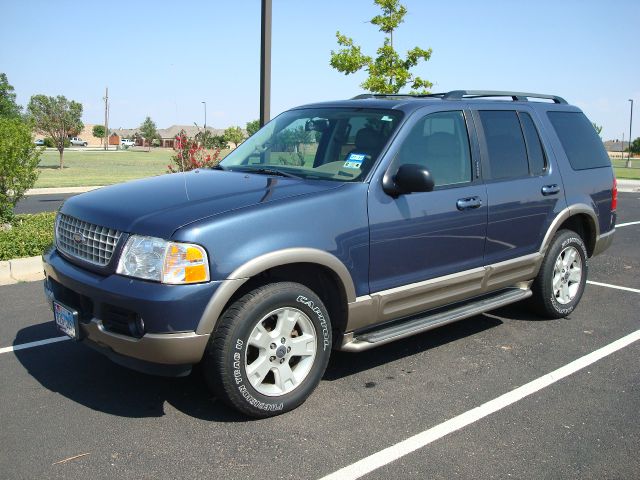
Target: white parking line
[411, 444]
[627, 224]
[617, 287]
[38, 343]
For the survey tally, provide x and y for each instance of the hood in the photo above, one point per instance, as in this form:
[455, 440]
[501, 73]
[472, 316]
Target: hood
[158, 206]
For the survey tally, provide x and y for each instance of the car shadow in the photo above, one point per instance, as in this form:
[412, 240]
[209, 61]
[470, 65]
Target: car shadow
[344, 364]
[92, 380]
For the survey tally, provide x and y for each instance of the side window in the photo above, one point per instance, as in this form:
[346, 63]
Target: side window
[505, 144]
[579, 139]
[534, 145]
[440, 142]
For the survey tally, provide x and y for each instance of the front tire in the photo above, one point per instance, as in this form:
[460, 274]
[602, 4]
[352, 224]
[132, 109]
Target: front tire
[559, 286]
[269, 350]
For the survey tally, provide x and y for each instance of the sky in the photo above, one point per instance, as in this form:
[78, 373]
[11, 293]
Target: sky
[162, 59]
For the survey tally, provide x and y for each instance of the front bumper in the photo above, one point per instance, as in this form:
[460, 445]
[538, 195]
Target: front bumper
[169, 313]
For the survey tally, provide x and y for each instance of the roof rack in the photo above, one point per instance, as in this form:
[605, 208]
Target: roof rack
[470, 94]
[516, 96]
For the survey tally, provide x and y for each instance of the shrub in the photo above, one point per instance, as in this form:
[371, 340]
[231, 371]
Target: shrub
[48, 142]
[190, 155]
[19, 159]
[29, 236]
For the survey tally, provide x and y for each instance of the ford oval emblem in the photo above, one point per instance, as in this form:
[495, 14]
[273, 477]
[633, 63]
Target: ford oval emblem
[78, 238]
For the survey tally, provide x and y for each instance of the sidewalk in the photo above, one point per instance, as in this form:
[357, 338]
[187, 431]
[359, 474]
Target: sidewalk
[56, 190]
[625, 185]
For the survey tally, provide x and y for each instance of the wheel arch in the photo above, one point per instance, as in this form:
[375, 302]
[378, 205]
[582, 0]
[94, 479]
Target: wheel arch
[581, 219]
[320, 271]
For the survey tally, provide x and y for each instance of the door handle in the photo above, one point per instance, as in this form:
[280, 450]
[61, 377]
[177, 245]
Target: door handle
[550, 189]
[468, 203]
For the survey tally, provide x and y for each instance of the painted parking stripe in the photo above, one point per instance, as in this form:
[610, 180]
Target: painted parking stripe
[38, 343]
[627, 224]
[411, 444]
[617, 287]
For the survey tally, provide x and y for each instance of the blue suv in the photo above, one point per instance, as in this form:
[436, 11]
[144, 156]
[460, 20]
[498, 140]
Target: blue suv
[342, 225]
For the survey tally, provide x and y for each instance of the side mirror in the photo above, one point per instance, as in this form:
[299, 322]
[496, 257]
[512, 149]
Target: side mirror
[411, 178]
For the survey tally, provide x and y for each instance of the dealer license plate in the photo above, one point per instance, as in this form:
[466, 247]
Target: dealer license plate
[66, 320]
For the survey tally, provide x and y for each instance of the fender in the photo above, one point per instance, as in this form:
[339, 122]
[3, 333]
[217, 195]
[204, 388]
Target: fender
[564, 214]
[264, 262]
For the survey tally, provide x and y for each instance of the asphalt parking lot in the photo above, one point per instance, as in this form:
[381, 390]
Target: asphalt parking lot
[68, 412]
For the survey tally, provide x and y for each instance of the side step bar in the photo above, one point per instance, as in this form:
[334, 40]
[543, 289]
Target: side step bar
[354, 342]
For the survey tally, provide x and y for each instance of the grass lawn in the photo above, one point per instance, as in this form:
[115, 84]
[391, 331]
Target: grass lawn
[623, 172]
[87, 168]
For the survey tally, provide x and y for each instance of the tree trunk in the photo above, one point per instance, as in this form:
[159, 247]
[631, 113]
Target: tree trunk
[61, 158]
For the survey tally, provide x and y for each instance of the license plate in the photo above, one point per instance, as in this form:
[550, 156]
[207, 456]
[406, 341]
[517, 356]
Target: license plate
[66, 320]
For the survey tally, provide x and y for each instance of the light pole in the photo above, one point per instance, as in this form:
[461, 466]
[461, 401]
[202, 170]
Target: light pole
[265, 63]
[205, 115]
[630, 123]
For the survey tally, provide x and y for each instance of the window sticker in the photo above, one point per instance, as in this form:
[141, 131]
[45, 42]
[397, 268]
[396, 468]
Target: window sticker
[354, 161]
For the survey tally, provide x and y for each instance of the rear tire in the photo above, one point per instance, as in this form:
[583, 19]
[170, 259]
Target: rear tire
[269, 350]
[560, 283]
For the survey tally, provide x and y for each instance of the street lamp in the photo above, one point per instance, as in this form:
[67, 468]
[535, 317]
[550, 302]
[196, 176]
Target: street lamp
[630, 123]
[205, 115]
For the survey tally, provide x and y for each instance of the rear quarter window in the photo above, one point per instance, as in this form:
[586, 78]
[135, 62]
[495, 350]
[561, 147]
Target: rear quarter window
[579, 139]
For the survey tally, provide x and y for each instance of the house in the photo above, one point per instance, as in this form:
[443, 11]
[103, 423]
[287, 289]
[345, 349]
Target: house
[167, 135]
[615, 147]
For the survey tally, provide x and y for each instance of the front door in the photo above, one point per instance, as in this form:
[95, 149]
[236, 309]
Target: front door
[419, 236]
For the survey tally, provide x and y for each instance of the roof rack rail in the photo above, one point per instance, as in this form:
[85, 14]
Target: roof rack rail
[390, 95]
[470, 94]
[516, 96]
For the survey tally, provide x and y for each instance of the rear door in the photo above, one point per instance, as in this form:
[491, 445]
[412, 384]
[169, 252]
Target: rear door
[524, 189]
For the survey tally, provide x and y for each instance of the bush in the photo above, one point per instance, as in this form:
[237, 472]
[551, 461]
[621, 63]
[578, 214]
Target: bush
[29, 236]
[19, 159]
[48, 142]
[190, 155]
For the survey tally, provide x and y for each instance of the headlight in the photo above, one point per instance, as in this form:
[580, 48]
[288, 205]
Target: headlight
[152, 258]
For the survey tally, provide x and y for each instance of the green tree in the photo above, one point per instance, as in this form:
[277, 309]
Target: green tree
[98, 131]
[19, 159]
[388, 71]
[597, 127]
[149, 131]
[8, 105]
[253, 126]
[634, 148]
[234, 135]
[58, 117]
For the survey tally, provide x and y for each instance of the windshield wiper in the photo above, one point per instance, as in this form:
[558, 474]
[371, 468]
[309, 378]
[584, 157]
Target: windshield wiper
[268, 171]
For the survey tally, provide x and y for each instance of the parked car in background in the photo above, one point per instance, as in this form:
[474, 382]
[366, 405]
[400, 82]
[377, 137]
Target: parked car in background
[78, 142]
[344, 225]
[125, 142]
[39, 142]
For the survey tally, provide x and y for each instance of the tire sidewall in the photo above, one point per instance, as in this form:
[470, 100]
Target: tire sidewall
[302, 299]
[564, 240]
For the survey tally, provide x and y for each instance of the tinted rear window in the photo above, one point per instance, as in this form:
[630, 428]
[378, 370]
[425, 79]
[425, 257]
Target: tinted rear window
[579, 139]
[505, 144]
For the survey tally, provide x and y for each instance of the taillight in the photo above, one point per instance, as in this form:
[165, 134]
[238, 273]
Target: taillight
[614, 194]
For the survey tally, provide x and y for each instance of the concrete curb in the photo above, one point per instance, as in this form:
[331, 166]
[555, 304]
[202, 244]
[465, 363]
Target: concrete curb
[21, 270]
[56, 190]
[625, 185]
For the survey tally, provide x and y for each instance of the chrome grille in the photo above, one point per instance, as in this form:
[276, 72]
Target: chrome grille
[86, 241]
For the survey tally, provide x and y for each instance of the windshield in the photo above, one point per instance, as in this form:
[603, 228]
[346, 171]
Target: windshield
[321, 143]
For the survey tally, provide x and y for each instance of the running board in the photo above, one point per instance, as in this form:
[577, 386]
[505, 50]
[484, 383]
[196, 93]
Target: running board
[354, 342]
